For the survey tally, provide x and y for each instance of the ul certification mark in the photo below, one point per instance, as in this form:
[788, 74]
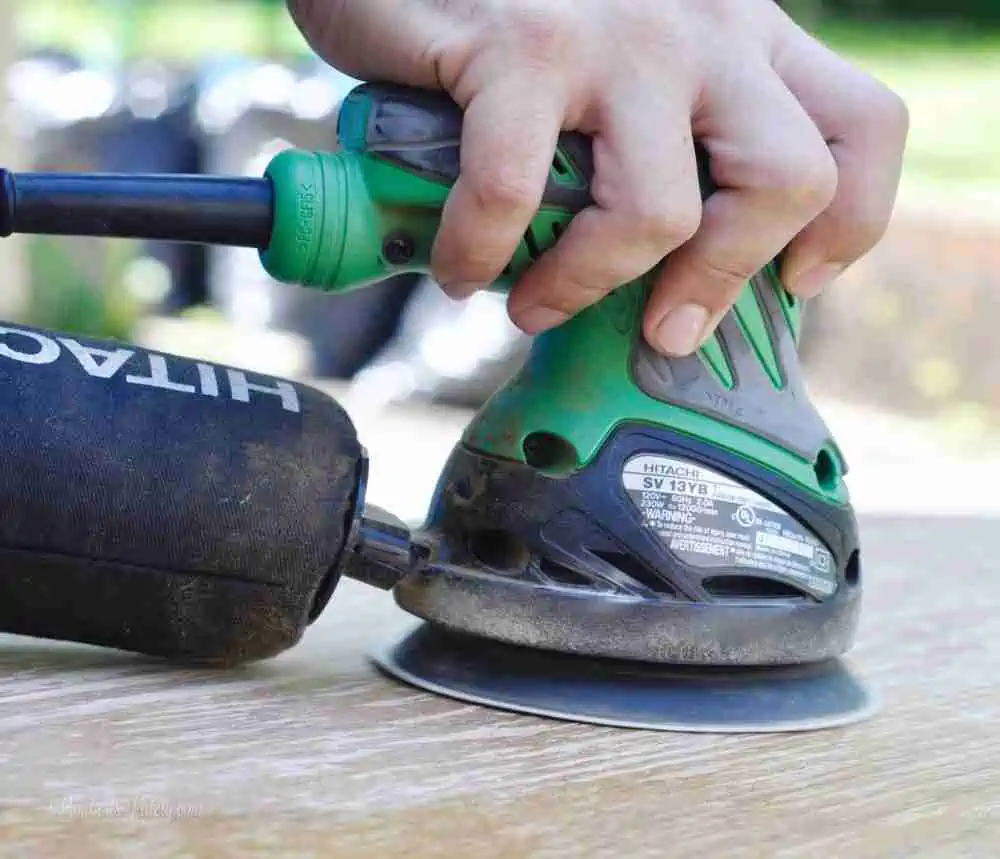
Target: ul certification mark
[711, 522]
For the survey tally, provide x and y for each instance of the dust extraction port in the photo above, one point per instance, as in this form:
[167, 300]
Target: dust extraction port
[549, 452]
[827, 471]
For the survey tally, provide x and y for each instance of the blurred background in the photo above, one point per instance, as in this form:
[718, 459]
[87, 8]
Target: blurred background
[222, 85]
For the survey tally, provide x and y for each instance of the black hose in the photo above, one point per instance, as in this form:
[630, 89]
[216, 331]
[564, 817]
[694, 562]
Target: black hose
[218, 210]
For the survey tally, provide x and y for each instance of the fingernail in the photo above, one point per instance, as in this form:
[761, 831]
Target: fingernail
[813, 281]
[534, 320]
[680, 332]
[461, 291]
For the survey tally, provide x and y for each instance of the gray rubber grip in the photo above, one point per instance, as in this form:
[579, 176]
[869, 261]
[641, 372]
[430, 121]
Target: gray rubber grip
[782, 413]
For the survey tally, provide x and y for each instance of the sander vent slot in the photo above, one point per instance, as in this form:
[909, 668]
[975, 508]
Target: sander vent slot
[750, 587]
[499, 550]
[563, 575]
[635, 570]
[531, 243]
[853, 572]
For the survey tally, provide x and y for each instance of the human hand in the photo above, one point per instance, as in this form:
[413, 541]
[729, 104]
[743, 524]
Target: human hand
[805, 150]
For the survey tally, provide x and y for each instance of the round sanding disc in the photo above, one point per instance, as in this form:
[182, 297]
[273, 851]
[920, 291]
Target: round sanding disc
[625, 694]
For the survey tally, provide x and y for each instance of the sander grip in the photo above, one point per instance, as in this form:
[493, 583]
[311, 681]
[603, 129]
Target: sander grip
[163, 505]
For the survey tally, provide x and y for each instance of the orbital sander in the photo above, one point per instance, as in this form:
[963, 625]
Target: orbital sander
[618, 538]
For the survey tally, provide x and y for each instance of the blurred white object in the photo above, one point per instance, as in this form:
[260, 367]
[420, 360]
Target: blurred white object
[231, 88]
[279, 354]
[45, 92]
[443, 350]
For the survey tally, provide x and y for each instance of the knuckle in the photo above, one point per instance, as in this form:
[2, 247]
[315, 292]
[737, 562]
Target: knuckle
[464, 269]
[505, 191]
[664, 227]
[807, 182]
[545, 29]
[887, 113]
[859, 233]
[729, 274]
[575, 298]
[655, 28]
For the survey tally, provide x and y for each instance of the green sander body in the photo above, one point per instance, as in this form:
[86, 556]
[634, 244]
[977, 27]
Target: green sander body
[706, 489]
[618, 537]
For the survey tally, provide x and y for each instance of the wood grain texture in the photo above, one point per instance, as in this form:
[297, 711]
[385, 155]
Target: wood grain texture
[315, 754]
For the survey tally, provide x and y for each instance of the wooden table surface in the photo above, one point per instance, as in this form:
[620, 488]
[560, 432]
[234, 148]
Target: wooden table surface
[315, 754]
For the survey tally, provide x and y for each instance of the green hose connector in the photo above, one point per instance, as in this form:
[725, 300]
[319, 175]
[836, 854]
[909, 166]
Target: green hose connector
[318, 214]
[342, 222]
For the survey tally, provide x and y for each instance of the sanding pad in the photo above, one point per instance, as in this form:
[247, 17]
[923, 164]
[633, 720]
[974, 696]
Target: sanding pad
[626, 694]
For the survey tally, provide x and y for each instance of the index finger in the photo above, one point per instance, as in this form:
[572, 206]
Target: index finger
[509, 136]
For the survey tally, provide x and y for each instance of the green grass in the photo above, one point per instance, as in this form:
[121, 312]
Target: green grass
[950, 79]
[175, 30]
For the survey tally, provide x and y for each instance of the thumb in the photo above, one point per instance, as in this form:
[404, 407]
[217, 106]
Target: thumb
[376, 40]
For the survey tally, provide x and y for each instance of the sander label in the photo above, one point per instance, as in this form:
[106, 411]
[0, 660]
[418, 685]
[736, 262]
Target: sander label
[710, 521]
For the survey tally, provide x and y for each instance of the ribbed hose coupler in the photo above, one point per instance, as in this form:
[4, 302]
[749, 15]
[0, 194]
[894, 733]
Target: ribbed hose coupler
[312, 209]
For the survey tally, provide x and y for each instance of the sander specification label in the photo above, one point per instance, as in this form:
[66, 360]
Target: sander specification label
[710, 521]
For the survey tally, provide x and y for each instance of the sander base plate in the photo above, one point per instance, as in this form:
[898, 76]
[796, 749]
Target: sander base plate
[648, 696]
